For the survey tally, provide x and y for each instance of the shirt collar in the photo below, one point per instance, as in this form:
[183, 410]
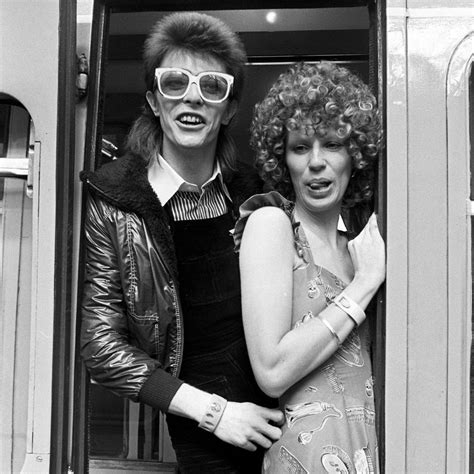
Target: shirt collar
[166, 182]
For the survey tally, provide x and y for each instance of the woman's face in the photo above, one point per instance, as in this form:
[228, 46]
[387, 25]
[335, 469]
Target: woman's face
[320, 169]
[190, 123]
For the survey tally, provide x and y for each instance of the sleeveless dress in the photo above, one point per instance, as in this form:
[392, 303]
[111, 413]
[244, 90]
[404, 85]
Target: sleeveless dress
[329, 414]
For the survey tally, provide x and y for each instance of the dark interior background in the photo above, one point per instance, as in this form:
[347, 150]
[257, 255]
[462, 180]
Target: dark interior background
[335, 34]
[338, 34]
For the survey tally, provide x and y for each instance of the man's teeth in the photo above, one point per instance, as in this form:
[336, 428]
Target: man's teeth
[192, 119]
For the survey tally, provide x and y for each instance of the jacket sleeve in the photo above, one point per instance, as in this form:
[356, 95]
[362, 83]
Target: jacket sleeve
[105, 348]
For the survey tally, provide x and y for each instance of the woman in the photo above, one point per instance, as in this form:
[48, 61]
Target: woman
[161, 312]
[305, 283]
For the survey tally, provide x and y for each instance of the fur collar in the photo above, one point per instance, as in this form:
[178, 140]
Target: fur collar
[124, 184]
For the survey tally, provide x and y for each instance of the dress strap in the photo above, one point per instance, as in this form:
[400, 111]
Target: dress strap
[273, 198]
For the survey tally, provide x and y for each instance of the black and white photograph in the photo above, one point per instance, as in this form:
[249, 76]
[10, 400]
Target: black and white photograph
[236, 237]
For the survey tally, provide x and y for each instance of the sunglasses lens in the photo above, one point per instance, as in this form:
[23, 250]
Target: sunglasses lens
[174, 83]
[213, 87]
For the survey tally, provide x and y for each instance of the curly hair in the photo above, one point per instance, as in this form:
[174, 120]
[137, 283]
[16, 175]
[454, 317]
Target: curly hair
[315, 98]
[197, 34]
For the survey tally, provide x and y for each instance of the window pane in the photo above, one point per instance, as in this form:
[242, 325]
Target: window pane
[123, 429]
[4, 119]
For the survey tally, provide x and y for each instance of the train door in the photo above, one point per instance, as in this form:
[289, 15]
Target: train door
[37, 82]
[110, 433]
[429, 47]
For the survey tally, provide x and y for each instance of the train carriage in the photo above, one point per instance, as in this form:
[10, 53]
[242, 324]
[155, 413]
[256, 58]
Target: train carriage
[70, 86]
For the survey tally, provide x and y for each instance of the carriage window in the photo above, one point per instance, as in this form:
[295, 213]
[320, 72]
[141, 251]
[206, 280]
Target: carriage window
[4, 116]
[16, 135]
[16, 247]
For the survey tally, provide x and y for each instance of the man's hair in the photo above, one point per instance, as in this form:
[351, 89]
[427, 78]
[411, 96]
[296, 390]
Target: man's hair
[314, 98]
[199, 34]
[196, 34]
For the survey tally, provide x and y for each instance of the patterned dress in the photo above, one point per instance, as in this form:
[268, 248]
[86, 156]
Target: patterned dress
[329, 415]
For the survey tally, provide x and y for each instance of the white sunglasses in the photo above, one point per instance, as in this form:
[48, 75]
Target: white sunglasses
[174, 83]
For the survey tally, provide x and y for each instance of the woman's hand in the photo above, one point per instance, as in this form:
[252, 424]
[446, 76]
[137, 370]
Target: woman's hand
[367, 251]
[247, 425]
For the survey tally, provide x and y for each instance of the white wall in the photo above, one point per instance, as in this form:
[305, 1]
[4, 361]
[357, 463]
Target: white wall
[29, 72]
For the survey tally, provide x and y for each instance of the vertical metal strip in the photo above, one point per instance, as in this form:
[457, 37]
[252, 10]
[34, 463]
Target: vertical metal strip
[80, 452]
[65, 154]
[377, 83]
[471, 167]
[99, 33]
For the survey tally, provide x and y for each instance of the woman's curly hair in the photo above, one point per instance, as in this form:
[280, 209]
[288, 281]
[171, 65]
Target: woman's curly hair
[314, 98]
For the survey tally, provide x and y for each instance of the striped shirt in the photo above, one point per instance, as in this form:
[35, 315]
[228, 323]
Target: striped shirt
[187, 201]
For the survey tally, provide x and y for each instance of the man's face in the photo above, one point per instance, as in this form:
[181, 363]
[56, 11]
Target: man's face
[190, 123]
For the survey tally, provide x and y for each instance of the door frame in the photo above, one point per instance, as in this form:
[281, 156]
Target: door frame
[65, 177]
[93, 137]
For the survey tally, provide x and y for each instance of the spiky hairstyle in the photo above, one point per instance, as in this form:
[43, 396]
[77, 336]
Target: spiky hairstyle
[196, 33]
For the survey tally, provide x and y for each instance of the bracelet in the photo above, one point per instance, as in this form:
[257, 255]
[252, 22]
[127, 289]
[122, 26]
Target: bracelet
[350, 307]
[331, 330]
[213, 413]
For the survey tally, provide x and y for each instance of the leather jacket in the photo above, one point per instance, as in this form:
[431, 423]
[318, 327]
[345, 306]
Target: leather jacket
[132, 328]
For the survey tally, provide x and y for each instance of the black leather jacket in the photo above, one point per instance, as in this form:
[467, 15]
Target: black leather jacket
[132, 329]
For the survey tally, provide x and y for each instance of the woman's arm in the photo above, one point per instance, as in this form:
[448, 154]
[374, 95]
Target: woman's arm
[281, 356]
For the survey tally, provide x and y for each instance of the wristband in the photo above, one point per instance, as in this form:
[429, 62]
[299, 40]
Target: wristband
[331, 330]
[350, 307]
[213, 413]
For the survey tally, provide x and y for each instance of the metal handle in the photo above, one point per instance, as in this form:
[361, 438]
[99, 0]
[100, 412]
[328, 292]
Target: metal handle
[470, 208]
[22, 168]
[14, 168]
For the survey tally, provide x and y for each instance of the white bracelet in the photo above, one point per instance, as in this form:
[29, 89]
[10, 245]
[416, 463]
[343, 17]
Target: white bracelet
[213, 413]
[331, 330]
[349, 306]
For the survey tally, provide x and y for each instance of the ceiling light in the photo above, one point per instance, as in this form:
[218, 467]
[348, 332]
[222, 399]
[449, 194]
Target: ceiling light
[271, 17]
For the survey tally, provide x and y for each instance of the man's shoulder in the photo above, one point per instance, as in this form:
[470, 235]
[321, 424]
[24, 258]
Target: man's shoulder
[124, 183]
[116, 171]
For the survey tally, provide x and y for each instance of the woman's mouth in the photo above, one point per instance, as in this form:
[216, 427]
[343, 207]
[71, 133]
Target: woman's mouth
[319, 185]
